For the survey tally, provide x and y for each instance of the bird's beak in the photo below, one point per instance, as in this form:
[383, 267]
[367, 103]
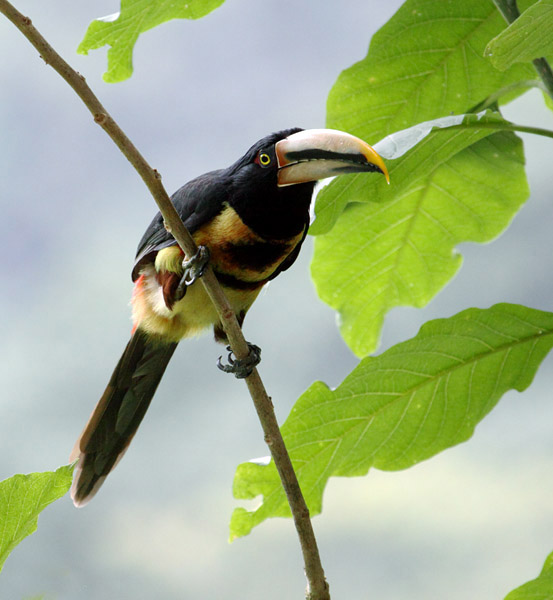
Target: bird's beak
[314, 154]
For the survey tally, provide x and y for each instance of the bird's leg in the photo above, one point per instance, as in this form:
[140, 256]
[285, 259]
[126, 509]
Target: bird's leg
[193, 269]
[241, 367]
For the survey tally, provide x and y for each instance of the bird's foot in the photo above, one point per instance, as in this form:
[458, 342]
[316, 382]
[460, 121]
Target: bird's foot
[241, 367]
[193, 269]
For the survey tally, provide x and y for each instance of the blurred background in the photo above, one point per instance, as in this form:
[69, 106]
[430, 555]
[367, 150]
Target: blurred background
[474, 522]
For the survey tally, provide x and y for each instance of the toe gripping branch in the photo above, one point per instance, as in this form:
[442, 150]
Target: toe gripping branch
[241, 367]
[193, 269]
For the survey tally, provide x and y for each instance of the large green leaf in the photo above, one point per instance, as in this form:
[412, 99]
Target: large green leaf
[121, 30]
[529, 37]
[401, 253]
[22, 499]
[540, 588]
[406, 405]
[425, 62]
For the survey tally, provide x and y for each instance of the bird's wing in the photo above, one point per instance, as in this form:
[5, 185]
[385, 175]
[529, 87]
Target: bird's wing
[197, 202]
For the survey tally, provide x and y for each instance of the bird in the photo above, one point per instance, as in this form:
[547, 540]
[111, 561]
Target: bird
[249, 221]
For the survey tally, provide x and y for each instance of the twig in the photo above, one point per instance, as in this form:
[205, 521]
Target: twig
[505, 126]
[544, 71]
[510, 12]
[317, 585]
[508, 8]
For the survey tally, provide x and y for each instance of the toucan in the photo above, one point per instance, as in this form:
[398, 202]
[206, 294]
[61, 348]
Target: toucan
[249, 222]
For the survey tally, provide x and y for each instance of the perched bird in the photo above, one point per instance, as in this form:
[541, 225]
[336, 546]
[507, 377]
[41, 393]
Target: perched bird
[249, 221]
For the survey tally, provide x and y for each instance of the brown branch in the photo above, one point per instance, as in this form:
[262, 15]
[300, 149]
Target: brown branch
[510, 12]
[317, 585]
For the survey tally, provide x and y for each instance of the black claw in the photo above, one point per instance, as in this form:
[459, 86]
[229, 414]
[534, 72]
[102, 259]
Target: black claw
[193, 269]
[241, 367]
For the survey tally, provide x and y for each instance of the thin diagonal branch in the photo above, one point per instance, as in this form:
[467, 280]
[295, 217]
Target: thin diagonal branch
[317, 586]
[510, 12]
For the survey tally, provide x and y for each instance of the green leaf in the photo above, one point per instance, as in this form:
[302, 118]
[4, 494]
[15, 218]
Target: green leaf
[412, 155]
[402, 253]
[404, 406]
[22, 498]
[425, 62]
[528, 37]
[540, 588]
[121, 30]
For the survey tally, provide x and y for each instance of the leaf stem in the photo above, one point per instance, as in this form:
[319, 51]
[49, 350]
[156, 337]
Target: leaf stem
[510, 12]
[317, 585]
[505, 126]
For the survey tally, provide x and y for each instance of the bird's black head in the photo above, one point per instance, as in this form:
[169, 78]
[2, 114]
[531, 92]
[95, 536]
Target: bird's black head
[260, 162]
[269, 210]
[272, 184]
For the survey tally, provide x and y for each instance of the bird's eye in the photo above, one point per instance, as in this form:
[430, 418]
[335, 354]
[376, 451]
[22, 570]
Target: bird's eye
[263, 159]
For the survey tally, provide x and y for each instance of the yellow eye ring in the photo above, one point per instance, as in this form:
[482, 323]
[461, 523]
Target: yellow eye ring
[264, 159]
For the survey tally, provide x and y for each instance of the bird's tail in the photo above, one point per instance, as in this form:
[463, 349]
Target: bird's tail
[119, 412]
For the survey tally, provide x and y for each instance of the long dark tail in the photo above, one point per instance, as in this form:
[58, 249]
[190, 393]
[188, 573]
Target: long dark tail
[118, 414]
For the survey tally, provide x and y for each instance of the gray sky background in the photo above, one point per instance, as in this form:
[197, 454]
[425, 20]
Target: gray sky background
[474, 522]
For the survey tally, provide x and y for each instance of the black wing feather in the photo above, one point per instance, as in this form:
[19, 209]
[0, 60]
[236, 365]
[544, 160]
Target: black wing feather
[197, 202]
